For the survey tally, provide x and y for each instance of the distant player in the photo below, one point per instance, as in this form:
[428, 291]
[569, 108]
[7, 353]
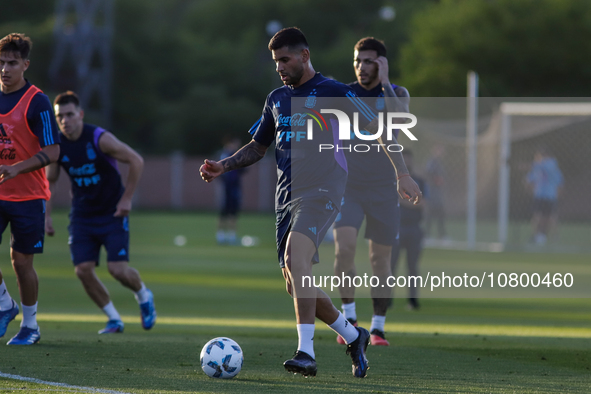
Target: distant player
[411, 234]
[546, 181]
[100, 208]
[309, 188]
[28, 142]
[436, 181]
[371, 193]
[226, 233]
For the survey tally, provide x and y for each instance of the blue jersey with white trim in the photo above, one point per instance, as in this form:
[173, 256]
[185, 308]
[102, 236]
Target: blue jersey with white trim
[370, 168]
[302, 169]
[95, 178]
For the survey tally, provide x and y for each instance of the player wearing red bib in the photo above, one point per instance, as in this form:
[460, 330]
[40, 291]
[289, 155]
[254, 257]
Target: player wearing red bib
[29, 141]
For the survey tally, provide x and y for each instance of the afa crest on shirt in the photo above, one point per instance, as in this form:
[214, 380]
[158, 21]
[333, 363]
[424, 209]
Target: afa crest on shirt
[380, 103]
[311, 100]
[90, 153]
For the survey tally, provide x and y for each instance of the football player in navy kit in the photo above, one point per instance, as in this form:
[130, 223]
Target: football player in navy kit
[100, 208]
[308, 193]
[370, 193]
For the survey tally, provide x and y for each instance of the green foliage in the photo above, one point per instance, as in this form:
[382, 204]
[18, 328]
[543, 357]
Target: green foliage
[186, 73]
[210, 67]
[519, 48]
[34, 19]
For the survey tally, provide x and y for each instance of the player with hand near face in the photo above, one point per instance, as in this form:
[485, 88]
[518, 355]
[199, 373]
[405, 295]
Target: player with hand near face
[371, 192]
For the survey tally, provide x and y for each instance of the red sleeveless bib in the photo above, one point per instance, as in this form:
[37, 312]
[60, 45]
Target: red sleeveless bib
[18, 143]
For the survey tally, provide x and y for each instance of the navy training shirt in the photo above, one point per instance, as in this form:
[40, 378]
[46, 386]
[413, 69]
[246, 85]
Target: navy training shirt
[40, 116]
[370, 168]
[303, 170]
[95, 178]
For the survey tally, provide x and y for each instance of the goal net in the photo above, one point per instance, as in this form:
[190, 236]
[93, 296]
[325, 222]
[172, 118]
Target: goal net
[508, 135]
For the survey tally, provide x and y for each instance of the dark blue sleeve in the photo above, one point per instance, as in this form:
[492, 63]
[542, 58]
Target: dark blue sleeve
[42, 121]
[355, 104]
[263, 131]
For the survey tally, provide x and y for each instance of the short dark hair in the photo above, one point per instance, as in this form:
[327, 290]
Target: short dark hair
[290, 37]
[16, 42]
[68, 97]
[371, 44]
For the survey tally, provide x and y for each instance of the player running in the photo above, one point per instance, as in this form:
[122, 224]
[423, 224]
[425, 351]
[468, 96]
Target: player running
[308, 191]
[28, 142]
[100, 208]
[371, 193]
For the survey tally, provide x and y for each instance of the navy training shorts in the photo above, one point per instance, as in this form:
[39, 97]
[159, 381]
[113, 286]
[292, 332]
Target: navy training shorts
[309, 216]
[88, 235]
[27, 224]
[380, 208]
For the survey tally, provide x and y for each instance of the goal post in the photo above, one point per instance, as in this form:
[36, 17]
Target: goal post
[508, 110]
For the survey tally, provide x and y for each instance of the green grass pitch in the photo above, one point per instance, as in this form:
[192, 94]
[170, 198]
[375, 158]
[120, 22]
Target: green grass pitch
[202, 290]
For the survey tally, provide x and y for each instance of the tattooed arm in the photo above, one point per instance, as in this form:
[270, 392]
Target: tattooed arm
[246, 156]
[400, 93]
[396, 101]
[49, 154]
[407, 187]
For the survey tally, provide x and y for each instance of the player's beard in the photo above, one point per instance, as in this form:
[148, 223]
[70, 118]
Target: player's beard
[369, 79]
[295, 77]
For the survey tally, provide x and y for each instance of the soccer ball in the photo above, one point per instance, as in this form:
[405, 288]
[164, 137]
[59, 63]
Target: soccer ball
[221, 358]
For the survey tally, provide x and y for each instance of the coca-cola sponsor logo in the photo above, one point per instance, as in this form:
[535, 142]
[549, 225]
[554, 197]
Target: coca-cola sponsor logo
[8, 154]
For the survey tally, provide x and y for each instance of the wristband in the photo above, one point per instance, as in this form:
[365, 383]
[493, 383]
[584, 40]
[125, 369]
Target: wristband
[402, 176]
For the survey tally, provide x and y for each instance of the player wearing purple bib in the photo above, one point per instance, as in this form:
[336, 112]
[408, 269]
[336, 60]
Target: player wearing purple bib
[371, 193]
[308, 191]
[100, 208]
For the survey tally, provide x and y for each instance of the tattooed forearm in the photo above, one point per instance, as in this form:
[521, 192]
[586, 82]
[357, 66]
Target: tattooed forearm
[397, 161]
[249, 154]
[43, 158]
[395, 157]
[388, 90]
[396, 100]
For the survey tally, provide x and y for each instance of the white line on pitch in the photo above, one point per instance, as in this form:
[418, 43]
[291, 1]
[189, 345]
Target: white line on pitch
[64, 385]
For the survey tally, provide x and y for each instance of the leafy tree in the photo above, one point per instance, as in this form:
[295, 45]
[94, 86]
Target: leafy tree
[186, 72]
[34, 19]
[519, 48]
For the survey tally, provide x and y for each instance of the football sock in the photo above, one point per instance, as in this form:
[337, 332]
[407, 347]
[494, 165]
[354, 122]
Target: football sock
[29, 316]
[142, 294]
[111, 312]
[306, 339]
[377, 323]
[345, 329]
[349, 311]
[220, 236]
[5, 298]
